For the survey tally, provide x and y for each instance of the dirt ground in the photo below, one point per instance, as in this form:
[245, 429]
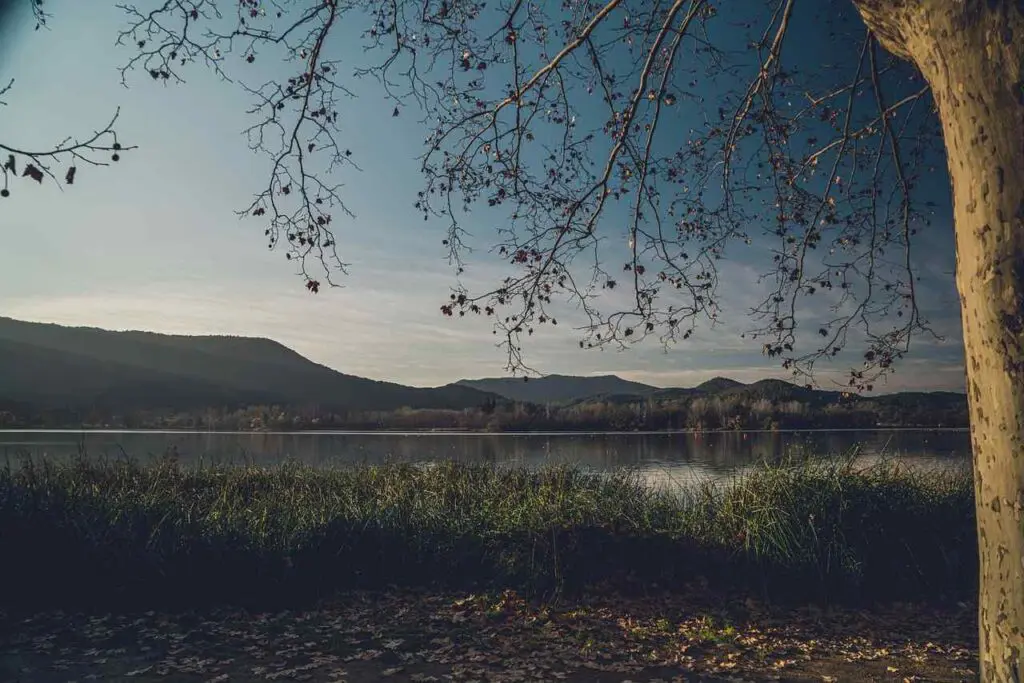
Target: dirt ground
[425, 636]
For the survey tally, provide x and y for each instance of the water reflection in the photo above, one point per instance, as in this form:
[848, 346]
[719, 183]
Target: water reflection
[669, 457]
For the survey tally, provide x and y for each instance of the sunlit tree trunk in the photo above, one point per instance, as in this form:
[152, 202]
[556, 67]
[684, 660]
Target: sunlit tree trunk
[972, 53]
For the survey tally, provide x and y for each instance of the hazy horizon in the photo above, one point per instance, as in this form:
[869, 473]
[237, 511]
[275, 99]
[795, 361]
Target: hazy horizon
[152, 242]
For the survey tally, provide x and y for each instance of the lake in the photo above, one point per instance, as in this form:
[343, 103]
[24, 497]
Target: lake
[661, 457]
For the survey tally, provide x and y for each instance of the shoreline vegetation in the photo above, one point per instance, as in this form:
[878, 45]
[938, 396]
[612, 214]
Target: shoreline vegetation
[88, 428]
[742, 412]
[117, 535]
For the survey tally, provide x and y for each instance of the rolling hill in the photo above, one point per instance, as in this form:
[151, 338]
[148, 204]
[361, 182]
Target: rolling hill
[57, 367]
[717, 384]
[567, 389]
[609, 389]
[557, 388]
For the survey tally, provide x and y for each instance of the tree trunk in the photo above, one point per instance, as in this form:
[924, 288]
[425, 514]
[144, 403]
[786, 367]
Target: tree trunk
[972, 54]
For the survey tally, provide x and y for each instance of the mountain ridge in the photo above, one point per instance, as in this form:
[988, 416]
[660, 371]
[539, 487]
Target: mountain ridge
[589, 388]
[556, 388]
[47, 366]
[237, 370]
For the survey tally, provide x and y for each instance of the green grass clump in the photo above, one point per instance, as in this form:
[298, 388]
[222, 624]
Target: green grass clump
[104, 534]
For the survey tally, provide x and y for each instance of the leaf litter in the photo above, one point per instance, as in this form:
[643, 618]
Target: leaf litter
[422, 636]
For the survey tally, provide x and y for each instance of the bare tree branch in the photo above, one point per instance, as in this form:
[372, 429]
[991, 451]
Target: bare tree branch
[571, 120]
[37, 164]
[296, 121]
[100, 148]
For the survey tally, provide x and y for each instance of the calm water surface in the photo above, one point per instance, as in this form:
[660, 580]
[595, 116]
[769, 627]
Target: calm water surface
[661, 457]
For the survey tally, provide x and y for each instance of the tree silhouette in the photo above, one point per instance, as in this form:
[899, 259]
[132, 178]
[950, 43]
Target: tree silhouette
[99, 148]
[634, 145]
[524, 105]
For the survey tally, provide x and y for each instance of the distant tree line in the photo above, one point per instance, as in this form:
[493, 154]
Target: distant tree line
[707, 413]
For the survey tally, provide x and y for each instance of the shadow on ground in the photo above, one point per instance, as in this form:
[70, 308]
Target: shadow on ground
[429, 636]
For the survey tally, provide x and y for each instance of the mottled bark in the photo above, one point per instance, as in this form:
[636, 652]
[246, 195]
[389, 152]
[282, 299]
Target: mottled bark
[972, 53]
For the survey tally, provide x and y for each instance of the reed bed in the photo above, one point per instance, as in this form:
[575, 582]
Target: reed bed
[109, 534]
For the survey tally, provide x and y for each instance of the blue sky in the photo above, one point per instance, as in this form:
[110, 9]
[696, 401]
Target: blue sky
[152, 241]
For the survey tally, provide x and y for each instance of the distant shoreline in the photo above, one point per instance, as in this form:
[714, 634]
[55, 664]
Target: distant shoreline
[468, 432]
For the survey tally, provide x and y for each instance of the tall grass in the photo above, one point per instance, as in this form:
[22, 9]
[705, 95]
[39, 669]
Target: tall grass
[118, 534]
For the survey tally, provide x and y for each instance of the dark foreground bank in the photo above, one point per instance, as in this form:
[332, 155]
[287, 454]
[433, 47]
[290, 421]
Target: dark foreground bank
[117, 535]
[419, 636]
